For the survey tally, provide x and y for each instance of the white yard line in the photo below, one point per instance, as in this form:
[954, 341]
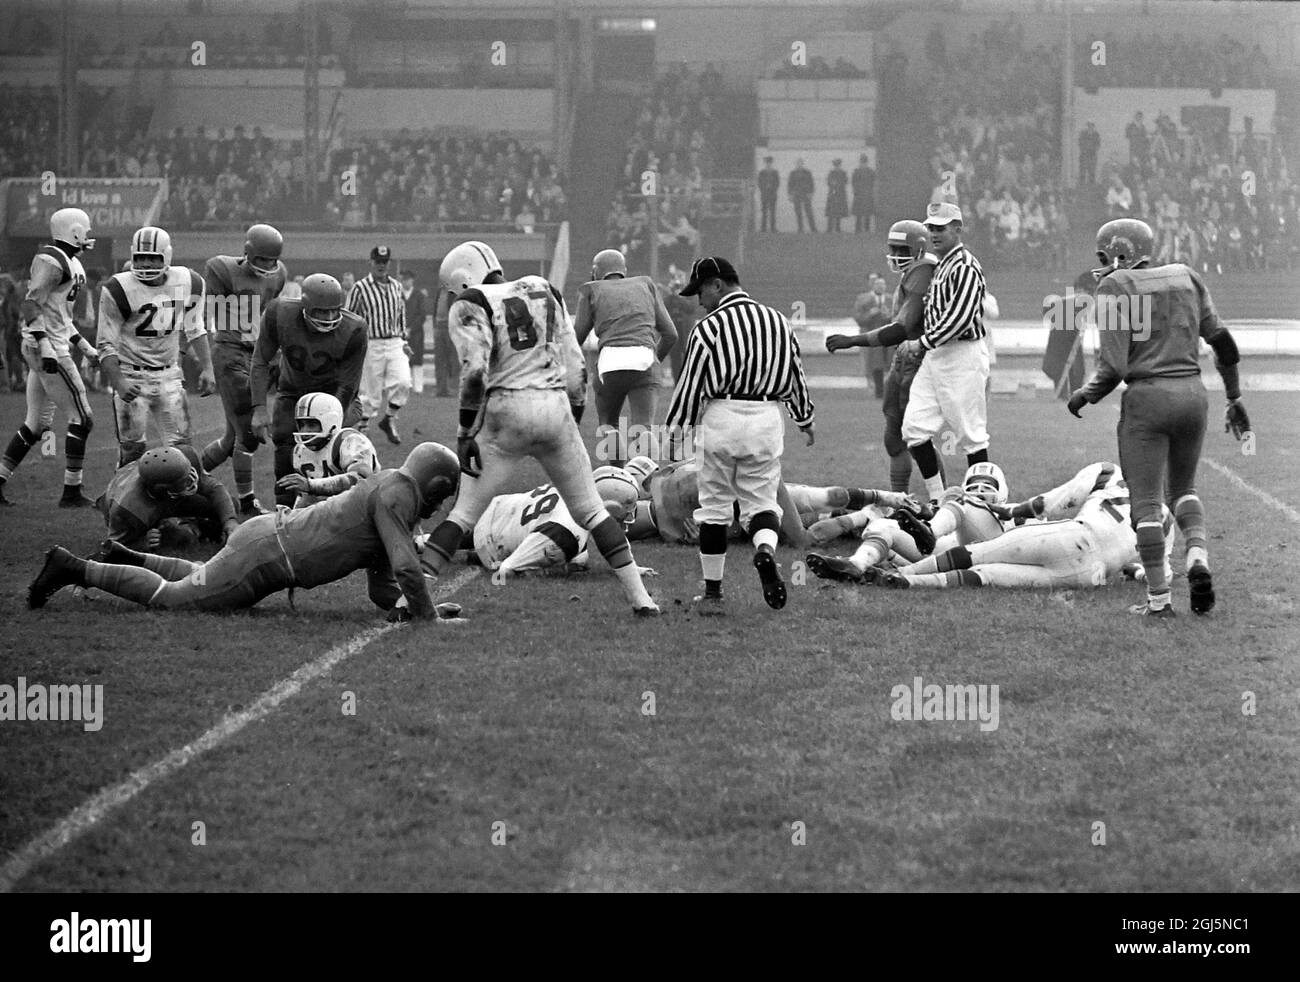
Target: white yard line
[98, 807]
[1263, 496]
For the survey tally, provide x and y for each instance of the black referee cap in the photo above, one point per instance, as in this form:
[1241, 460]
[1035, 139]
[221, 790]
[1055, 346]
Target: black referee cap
[381, 253]
[708, 268]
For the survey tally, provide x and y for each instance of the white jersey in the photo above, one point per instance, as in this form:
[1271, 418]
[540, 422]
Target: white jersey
[519, 336]
[56, 279]
[529, 530]
[347, 458]
[140, 322]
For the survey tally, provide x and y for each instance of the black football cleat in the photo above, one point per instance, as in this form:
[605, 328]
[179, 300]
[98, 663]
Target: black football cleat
[1198, 578]
[388, 426]
[60, 570]
[77, 500]
[917, 529]
[707, 606]
[1146, 610]
[650, 611]
[834, 568]
[769, 574]
[891, 578]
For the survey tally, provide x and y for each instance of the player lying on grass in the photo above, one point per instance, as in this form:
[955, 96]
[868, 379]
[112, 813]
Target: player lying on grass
[670, 495]
[370, 527]
[966, 515]
[533, 530]
[328, 458]
[164, 490]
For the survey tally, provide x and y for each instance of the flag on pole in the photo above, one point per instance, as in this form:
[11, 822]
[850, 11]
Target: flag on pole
[559, 271]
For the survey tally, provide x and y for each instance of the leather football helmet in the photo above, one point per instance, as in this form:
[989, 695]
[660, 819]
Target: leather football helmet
[618, 492]
[906, 243]
[436, 472]
[985, 480]
[641, 468]
[318, 416]
[71, 226]
[466, 266]
[1122, 244]
[265, 243]
[168, 473]
[151, 242]
[322, 302]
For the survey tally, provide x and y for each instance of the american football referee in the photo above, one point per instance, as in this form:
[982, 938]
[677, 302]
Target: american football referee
[742, 360]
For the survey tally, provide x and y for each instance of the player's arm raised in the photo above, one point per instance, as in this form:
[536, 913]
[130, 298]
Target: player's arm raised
[1112, 352]
[1226, 358]
[114, 309]
[196, 332]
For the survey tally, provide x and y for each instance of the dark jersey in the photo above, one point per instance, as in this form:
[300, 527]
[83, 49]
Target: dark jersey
[370, 527]
[309, 360]
[131, 511]
[237, 296]
[909, 304]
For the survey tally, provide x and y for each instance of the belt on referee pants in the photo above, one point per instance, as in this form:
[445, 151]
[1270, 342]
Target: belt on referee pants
[145, 368]
[751, 398]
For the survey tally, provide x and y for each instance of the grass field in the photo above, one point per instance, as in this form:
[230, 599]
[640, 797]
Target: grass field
[534, 713]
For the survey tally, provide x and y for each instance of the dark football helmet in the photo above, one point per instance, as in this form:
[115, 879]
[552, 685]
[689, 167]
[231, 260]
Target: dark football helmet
[262, 247]
[1122, 244]
[436, 472]
[906, 243]
[168, 473]
[322, 302]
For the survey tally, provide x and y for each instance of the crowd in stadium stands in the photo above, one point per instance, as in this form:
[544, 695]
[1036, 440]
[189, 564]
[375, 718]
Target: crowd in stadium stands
[817, 68]
[1169, 61]
[997, 142]
[171, 47]
[29, 124]
[1215, 203]
[675, 128]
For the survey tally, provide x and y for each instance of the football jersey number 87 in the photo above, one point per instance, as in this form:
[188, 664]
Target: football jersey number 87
[520, 325]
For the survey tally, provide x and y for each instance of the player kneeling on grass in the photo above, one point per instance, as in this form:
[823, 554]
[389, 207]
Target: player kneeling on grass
[370, 527]
[1076, 535]
[523, 386]
[328, 458]
[166, 489]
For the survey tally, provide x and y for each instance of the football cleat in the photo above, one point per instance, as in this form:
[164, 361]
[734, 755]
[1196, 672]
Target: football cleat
[388, 427]
[891, 578]
[1146, 610]
[917, 529]
[77, 500]
[447, 611]
[651, 611]
[769, 574]
[115, 554]
[60, 570]
[1198, 577]
[707, 606]
[834, 568]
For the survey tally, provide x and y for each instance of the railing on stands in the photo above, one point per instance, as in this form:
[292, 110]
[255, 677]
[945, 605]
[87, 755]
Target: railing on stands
[548, 230]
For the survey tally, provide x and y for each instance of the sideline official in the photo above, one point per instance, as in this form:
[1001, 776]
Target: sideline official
[742, 360]
[386, 380]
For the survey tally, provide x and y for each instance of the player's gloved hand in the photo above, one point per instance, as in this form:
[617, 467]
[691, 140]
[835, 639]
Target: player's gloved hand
[1001, 512]
[838, 342]
[470, 461]
[809, 434]
[127, 391]
[207, 383]
[153, 539]
[50, 366]
[259, 424]
[228, 530]
[295, 483]
[1235, 420]
[1077, 402]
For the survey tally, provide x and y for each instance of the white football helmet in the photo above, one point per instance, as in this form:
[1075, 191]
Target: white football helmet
[985, 480]
[71, 225]
[318, 417]
[641, 468]
[468, 265]
[618, 492]
[151, 242]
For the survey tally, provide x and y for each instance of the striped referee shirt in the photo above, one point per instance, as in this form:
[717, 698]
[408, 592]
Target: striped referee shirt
[954, 304]
[742, 348]
[381, 305]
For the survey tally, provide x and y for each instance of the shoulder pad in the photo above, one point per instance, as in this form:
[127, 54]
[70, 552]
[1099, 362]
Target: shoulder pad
[117, 290]
[475, 295]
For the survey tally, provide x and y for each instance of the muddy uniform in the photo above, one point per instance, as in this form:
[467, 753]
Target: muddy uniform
[131, 511]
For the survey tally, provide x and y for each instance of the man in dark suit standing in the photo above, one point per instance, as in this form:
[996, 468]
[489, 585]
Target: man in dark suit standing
[799, 187]
[837, 196]
[768, 182]
[864, 194]
[418, 308]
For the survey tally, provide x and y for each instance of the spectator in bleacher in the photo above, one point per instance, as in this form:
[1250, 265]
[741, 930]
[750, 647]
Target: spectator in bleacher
[1139, 143]
[837, 196]
[769, 180]
[1119, 199]
[864, 195]
[1089, 145]
[799, 187]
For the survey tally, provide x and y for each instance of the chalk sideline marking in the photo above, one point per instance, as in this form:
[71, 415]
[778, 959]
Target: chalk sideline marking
[1262, 495]
[95, 809]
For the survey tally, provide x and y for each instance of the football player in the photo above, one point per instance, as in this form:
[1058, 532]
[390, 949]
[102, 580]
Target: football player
[518, 357]
[965, 516]
[140, 313]
[907, 253]
[533, 530]
[48, 335]
[1157, 317]
[239, 288]
[1082, 537]
[321, 348]
[165, 483]
[369, 527]
[328, 458]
